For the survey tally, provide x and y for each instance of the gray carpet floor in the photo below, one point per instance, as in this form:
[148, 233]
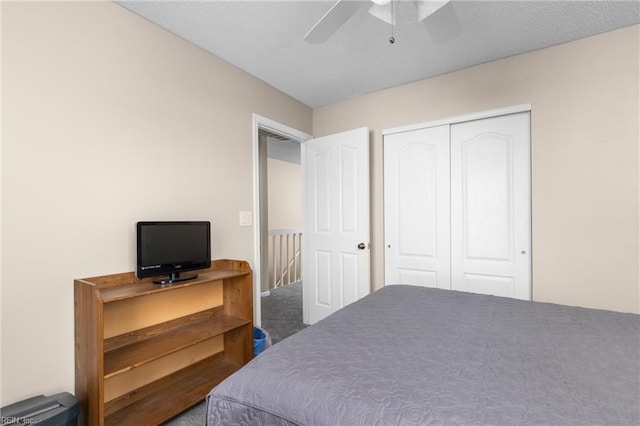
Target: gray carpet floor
[282, 312]
[281, 318]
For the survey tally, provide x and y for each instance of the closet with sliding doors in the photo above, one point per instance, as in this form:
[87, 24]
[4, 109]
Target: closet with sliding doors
[457, 204]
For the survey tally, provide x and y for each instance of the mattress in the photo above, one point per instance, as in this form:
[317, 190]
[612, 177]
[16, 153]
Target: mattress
[408, 355]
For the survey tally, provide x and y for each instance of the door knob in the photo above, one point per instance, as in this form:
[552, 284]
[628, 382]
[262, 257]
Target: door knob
[361, 246]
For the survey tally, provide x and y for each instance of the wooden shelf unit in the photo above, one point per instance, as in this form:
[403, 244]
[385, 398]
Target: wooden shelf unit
[146, 352]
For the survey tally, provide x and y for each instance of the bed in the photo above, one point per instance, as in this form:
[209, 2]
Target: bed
[408, 355]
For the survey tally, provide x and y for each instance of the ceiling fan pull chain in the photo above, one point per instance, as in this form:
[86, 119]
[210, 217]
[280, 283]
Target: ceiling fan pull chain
[392, 39]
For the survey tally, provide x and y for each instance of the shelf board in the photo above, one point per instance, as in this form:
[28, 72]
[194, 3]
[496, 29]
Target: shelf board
[126, 339]
[122, 292]
[123, 353]
[164, 398]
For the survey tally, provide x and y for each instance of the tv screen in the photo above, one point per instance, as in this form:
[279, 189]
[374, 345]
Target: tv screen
[170, 248]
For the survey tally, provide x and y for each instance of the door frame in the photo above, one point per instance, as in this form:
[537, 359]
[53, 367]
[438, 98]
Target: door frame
[460, 119]
[262, 123]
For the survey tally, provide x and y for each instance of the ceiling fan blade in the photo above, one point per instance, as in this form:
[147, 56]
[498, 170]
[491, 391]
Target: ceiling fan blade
[427, 7]
[443, 24]
[339, 13]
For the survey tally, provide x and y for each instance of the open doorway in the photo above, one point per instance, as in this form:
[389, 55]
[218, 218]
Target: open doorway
[278, 229]
[281, 286]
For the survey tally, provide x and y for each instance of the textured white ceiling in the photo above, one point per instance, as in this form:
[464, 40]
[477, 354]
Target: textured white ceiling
[265, 39]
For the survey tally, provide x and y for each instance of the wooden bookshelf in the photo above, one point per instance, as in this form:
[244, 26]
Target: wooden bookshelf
[146, 352]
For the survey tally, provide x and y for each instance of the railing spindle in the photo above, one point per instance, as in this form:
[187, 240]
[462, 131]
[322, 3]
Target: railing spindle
[273, 253]
[285, 258]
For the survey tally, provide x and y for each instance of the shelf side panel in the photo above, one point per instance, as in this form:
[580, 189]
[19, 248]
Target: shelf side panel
[238, 302]
[88, 353]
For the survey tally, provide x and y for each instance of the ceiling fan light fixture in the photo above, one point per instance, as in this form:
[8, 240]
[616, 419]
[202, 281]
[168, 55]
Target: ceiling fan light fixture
[383, 13]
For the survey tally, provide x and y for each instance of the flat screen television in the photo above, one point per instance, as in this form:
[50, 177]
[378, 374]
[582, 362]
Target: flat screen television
[170, 248]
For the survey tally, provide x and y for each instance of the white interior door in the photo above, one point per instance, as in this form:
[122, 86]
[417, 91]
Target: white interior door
[336, 234]
[416, 193]
[490, 206]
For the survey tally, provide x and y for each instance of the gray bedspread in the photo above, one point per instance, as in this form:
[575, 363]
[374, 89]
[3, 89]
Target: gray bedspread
[409, 355]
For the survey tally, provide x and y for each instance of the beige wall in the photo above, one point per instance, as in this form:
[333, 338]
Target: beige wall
[285, 194]
[585, 137]
[107, 120]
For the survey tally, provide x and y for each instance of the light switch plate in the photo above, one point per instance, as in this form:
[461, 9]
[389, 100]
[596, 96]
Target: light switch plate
[245, 218]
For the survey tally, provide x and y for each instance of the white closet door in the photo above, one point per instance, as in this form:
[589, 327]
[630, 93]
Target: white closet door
[490, 206]
[416, 200]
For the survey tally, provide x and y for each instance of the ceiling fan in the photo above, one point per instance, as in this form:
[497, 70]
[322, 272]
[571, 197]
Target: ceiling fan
[438, 16]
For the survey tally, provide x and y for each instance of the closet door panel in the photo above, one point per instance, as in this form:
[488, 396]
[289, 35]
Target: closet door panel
[416, 167]
[490, 206]
[487, 197]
